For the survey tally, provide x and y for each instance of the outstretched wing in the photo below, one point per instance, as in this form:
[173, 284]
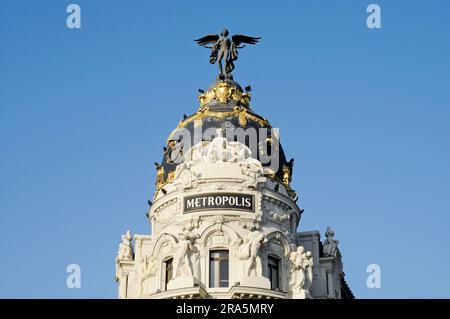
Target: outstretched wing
[239, 38]
[207, 39]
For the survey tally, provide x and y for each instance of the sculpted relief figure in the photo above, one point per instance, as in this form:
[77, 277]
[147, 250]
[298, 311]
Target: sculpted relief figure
[185, 174]
[147, 269]
[249, 251]
[125, 247]
[330, 244]
[218, 150]
[252, 168]
[197, 153]
[186, 259]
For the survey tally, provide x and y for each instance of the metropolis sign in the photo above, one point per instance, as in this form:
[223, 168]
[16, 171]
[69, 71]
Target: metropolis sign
[228, 201]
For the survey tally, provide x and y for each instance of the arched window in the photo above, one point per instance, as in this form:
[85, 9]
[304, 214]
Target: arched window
[218, 268]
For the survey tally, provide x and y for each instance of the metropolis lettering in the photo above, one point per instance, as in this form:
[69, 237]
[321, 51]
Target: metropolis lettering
[244, 202]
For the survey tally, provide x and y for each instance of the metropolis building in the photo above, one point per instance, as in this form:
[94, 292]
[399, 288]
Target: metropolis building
[224, 217]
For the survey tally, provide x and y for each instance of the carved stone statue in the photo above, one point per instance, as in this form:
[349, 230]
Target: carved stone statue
[301, 274]
[308, 266]
[249, 250]
[297, 273]
[125, 247]
[217, 149]
[237, 153]
[330, 245]
[186, 259]
[225, 48]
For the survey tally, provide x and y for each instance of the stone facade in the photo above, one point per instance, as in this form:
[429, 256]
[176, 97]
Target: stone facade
[221, 202]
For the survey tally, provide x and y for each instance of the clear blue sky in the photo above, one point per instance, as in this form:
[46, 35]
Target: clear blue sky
[85, 113]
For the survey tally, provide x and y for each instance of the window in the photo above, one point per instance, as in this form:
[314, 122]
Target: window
[168, 265]
[274, 275]
[218, 268]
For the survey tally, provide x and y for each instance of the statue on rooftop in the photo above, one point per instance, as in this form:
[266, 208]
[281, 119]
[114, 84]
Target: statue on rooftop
[125, 247]
[225, 48]
[330, 245]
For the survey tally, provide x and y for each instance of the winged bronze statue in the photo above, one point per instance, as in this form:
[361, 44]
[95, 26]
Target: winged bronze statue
[225, 48]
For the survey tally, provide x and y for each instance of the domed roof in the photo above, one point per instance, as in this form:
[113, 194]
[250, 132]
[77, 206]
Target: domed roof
[226, 106]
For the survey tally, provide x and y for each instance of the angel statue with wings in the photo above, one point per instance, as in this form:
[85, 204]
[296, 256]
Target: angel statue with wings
[225, 48]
